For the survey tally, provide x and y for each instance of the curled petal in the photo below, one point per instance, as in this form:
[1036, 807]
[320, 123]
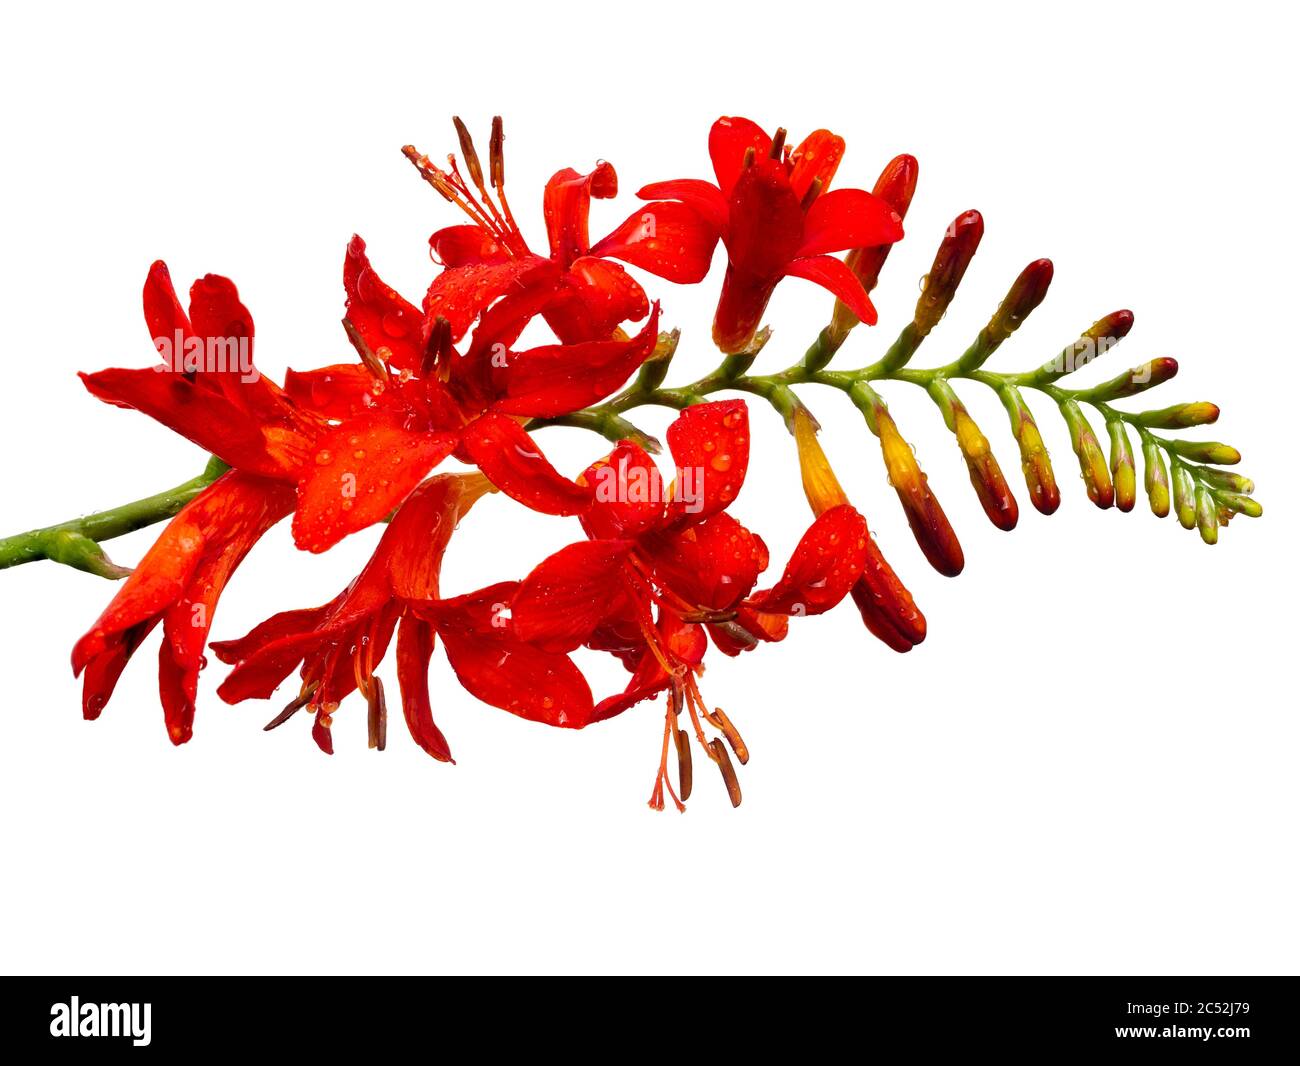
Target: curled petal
[382, 317]
[335, 392]
[825, 565]
[559, 378]
[163, 313]
[567, 203]
[510, 459]
[886, 606]
[455, 246]
[628, 493]
[594, 298]
[710, 445]
[458, 294]
[712, 565]
[831, 274]
[415, 639]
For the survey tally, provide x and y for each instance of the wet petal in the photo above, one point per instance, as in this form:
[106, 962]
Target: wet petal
[382, 317]
[825, 565]
[511, 460]
[568, 595]
[710, 445]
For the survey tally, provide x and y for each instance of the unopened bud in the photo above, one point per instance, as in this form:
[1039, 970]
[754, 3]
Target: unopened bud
[1096, 341]
[1204, 451]
[930, 526]
[1207, 515]
[820, 485]
[960, 241]
[1184, 496]
[1092, 461]
[1026, 293]
[985, 474]
[1156, 479]
[1040, 479]
[1179, 416]
[1123, 470]
[1134, 381]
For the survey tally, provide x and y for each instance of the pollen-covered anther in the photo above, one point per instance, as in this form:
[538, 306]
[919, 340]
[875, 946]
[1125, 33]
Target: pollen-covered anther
[720, 756]
[719, 720]
[293, 707]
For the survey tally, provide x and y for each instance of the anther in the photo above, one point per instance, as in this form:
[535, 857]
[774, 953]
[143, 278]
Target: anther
[372, 362]
[377, 716]
[437, 347]
[720, 756]
[293, 707]
[778, 143]
[719, 720]
[684, 774]
[748, 161]
[496, 154]
[814, 191]
[468, 153]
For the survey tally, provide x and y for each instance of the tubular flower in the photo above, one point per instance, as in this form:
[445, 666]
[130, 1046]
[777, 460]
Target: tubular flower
[583, 295]
[661, 570]
[178, 583]
[772, 210]
[340, 644]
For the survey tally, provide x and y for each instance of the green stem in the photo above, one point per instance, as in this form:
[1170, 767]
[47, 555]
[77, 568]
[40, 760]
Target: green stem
[76, 542]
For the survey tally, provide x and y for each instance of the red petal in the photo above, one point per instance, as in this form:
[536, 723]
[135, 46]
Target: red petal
[413, 546]
[666, 238]
[702, 197]
[382, 317]
[710, 445]
[336, 392]
[757, 625]
[817, 157]
[826, 563]
[834, 276]
[510, 459]
[455, 246]
[566, 204]
[458, 294]
[217, 314]
[162, 310]
[712, 565]
[105, 667]
[729, 140]
[278, 626]
[363, 468]
[519, 678]
[765, 221]
[628, 494]
[414, 648]
[595, 297]
[559, 378]
[568, 595]
[849, 218]
[197, 413]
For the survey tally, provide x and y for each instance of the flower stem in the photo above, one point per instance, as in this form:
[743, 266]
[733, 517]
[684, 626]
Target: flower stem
[76, 542]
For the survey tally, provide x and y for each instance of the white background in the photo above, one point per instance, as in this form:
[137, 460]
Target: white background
[1088, 767]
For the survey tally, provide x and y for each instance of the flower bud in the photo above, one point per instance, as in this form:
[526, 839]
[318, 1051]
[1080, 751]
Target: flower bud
[960, 241]
[1096, 341]
[1240, 504]
[1026, 293]
[1180, 416]
[896, 184]
[1207, 515]
[1123, 470]
[1204, 451]
[1226, 480]
[820, 485]
[985, 474]
[887, 608]
[1157, 478]
[1040, 479]
[1184, 496]
[1134, 381]
[934, 534]
[1092, 461]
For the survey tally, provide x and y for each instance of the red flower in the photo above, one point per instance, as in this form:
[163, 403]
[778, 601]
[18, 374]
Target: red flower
[772, 210]
[178, 583]
[397, 426]
[340, 644]
[689, 559]
[583, 296]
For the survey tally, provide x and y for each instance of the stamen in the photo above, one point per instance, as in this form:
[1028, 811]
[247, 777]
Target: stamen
[469, 154]
[814, 191]
[723, 724]
[778, 142]
[377, 716]
[748, 161]
[723, 760]
[300, 701]
[497, 155]
[437, 348]
[661, 778]
[372, 362]
[684, 771]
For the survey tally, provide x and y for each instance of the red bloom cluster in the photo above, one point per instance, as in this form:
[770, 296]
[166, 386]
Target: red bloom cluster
[663, 571]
